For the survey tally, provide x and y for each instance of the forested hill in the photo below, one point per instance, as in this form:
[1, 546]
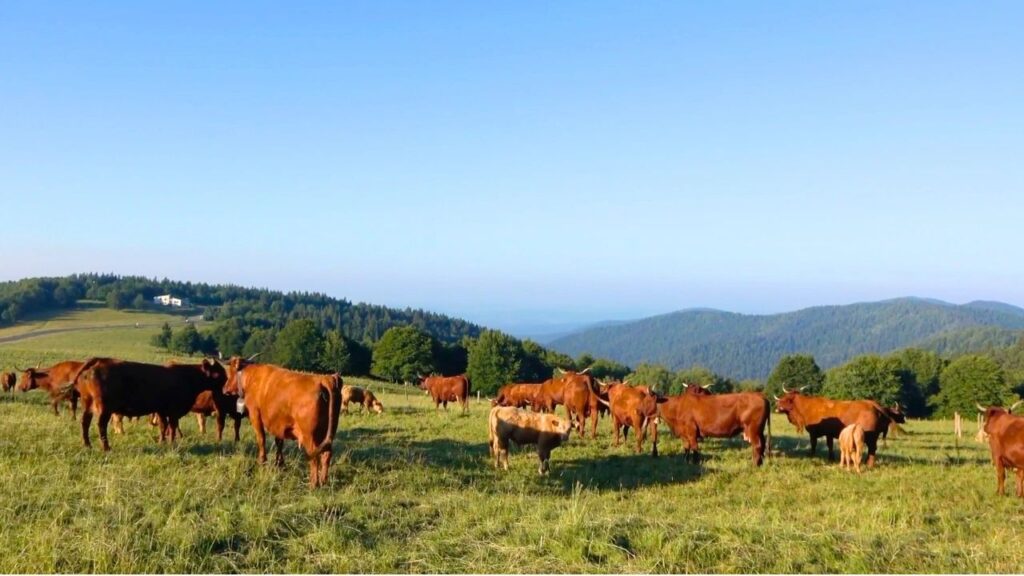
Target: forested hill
[253, 308]
[749, 346]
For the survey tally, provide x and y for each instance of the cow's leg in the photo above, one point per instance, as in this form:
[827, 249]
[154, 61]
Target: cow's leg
[314, 469]
[102, 422]
[654, 438]
[261, 437]
[871, 440]
[593, 422]
[163, 429]
[54, 404]
[221, 416]
[756, 439]
[831, 448]
[641, 433]
[118, 421]
[1000, 477]
[814, 444]
[279, 452]
[618, 431]
[1020, 482]
[201, 420]
[174, 429]
[325, 464]
[544, 453]
[86, 422]
[73, 402]
[238, 425]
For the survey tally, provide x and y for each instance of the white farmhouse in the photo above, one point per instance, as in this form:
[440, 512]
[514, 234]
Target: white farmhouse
[168, 300]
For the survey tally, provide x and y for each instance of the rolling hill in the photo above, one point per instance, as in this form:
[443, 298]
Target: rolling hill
[749, 346]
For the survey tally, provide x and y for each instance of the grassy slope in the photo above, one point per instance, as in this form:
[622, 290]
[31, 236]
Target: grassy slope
[414, 492]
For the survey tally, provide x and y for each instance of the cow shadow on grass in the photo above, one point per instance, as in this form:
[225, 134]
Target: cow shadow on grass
[625, 472]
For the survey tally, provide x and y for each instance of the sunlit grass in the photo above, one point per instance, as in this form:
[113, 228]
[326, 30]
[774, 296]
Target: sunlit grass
[415, 491]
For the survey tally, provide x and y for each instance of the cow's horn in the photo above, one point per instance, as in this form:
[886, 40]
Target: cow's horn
[784, 389]
[685, 385]
[708, 387]
[585, 370]
[250, 358]
[980, 408]
[776, 397]
[625, 382]
[559, 369]
[802, 388]
[1015, 404]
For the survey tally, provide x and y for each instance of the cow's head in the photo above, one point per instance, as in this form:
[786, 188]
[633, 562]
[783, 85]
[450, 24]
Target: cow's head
[696, 389]
[235, 366]
[896, 413]
[214, 372]
[555, 425]
[376, 406]
[786, 404]
[30, 379]
[994, 413]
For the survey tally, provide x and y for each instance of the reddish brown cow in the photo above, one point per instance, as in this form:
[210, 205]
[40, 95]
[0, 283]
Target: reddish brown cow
[290, 405]
[517, 395]
[107, 386]
[221, 405]
[827, 417]
[634, 407]
[1006, 441]
[8, 380]
[694, 415]
[56, 381]
[578, 392]
[445, 389]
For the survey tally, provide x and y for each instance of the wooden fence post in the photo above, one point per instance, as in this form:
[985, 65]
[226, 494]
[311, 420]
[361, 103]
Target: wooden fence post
[958, 425]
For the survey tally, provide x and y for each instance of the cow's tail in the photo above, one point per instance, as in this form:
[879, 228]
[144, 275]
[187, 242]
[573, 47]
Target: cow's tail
[333, 397]
[86, 366]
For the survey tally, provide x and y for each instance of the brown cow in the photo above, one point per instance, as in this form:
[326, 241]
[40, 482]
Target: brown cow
[363, 398]
[107, 386]
[827, 417]
[578, 392]
[290, 405]
[1006, 441]
[634, 407]
[8, 380]
[445, 389]
[56, 380]
[517, 395]
[506, 423]
[694, 415]
[221, 405]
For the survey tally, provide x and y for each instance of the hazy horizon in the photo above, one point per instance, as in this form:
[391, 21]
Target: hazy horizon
[529, 164]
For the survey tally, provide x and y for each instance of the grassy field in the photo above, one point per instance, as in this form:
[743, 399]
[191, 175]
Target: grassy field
[415, 491]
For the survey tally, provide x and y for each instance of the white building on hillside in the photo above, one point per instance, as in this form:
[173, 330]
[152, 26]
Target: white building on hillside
[168, 300]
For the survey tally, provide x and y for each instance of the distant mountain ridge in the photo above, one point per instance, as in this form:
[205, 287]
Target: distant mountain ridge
[749, 346]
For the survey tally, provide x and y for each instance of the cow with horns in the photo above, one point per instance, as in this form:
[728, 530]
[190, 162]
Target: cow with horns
[577, 391]
[826, 417]
[632, 407]
[696, 414]
[1006, 441]
[56, 380]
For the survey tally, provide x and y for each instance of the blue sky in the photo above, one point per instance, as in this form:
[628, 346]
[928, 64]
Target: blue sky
[521, 162]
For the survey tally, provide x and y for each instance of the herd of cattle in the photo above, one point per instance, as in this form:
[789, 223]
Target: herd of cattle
[306, 408]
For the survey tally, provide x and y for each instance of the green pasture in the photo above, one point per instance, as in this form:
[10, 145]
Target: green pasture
[415, 491]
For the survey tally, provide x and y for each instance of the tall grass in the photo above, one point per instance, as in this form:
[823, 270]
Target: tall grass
[415, 491]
